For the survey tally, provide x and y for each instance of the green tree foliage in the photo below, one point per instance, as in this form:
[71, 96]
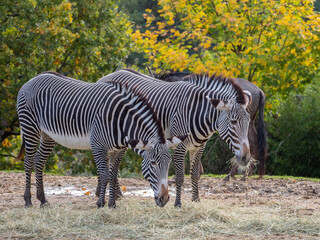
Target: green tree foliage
[135, 9]
[294, 135]
[84, 39]
[317, 5]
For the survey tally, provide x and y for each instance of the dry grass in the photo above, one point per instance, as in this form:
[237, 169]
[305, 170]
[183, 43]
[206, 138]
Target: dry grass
[139, 218]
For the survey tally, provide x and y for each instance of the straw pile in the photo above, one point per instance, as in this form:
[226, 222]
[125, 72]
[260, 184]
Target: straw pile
[139, 218]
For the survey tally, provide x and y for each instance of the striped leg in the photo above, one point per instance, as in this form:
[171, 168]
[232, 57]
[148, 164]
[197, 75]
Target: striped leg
[31, 148]
[118, 190]
[98, 185]
[178, 158]
[100, 158]
[195, 164]
[44, 150]
[31, 135]
[115, 159]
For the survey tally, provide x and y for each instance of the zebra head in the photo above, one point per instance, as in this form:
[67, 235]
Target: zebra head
[155, 165]
[233, 126]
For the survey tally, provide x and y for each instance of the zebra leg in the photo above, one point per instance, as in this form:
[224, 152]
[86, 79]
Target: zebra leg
[195, 164]
[118, 190]
[44, 150]
[98, 185]
[115, 159]
[178, 158]
[232, 173]
[31, 149]
[31, 144]
[100, 158]
[99, 181]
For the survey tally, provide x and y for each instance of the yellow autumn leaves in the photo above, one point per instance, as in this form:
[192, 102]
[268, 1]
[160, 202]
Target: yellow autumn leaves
[273, 43]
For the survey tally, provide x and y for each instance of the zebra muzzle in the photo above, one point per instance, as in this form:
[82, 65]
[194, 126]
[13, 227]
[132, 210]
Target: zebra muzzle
[163, 197]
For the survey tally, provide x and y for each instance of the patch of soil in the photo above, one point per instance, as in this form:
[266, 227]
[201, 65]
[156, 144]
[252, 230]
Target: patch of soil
[303, 195]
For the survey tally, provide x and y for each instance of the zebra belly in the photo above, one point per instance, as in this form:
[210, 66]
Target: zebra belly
[69, 141]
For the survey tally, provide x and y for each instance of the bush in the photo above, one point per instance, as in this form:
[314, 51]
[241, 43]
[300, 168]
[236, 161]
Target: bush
[294, 135]
[216, 156]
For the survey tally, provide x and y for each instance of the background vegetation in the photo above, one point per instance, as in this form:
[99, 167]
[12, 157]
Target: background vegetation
[272, 43]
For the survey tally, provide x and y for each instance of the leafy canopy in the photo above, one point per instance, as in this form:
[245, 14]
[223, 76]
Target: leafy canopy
[84, 39]
[273, 43]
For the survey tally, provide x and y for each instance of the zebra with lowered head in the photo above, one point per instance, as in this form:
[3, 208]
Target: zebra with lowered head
[105, 118]
[183, 108]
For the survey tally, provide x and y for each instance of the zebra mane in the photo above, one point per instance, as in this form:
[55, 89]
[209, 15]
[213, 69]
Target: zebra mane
[171, 76]
[214, 81]
[131, 93]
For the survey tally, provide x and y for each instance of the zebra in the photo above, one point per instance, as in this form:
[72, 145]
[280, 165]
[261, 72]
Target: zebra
[183, 108]
[105, 118]
[257, 137]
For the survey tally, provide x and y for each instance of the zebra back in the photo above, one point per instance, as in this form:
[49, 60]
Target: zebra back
[181, 106]
[67, 107]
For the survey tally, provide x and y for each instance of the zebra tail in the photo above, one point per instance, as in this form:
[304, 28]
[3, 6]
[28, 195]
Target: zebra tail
[21, 153]
[262, 137]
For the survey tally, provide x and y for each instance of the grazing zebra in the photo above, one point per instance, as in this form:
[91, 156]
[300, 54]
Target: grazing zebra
[257, 137]
[184, 108]
[102, 117]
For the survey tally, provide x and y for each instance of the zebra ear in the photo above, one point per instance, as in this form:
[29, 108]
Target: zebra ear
[138, 144]
[175, 141]
[220, 104]
[248, 97]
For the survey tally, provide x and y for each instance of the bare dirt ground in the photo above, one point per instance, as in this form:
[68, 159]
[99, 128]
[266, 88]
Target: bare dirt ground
[66, 189]
[256, 209]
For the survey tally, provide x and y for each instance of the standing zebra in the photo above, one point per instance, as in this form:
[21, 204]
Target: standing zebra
[184, 108]
[101, 117]
[257, 137]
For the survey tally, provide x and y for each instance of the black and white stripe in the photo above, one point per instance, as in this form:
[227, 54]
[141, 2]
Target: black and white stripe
[105, 118]
[184, 108]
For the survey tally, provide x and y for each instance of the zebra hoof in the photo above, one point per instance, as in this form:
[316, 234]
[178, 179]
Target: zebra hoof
[114, 205]
[28, 205]
[45, 204]
[100, 204]
[177, 205]
[196, 200]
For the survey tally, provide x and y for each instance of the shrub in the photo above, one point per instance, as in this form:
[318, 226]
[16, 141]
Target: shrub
[294, 135]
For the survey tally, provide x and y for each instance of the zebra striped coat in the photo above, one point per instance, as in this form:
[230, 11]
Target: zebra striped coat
[102, 117]
[184, 108]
